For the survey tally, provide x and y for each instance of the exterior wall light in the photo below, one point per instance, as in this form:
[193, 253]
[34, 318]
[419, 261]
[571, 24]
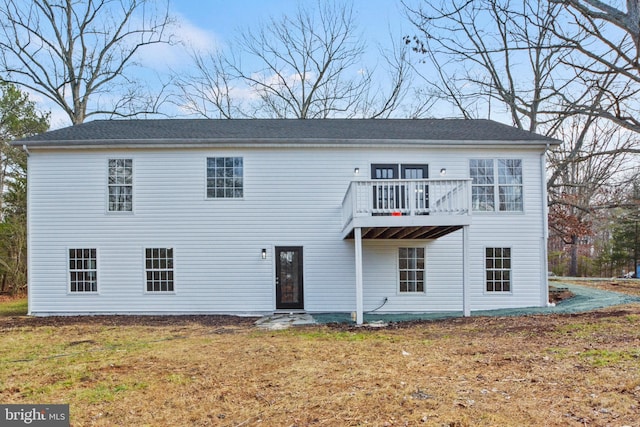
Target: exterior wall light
[356, 171]
[443, 172]
[264, 254]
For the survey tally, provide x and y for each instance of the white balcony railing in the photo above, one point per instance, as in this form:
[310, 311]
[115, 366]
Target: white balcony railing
[400, 197]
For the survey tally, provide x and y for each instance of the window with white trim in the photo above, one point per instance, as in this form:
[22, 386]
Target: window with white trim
[159, 269]
[498, 269]
[411, 269]
[496, 180]
[225, 178]
[510, 185]
[120, 185]
[83, 270]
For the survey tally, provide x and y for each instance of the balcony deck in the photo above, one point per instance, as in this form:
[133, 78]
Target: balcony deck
[406, 208]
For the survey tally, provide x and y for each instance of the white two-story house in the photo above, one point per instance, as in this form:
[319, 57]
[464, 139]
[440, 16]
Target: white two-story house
[257, 216]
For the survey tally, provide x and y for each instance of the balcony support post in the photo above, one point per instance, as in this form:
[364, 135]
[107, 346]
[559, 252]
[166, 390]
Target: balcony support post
[359, 283]
[466, 294]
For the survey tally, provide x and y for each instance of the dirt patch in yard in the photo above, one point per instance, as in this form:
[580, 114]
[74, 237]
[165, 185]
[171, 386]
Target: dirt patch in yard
[124, 320]
[559, 293]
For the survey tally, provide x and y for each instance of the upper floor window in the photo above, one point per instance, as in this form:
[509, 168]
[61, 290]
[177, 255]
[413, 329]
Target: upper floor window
[120, 185]
[496, 185]
[83, 270]
[225, 178]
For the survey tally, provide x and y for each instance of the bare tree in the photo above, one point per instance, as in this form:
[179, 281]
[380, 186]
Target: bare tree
[595, 12]
[77, 53]
[491, 58]
[509, 61]
[610, 45]
[584, 182]
[207, 91]
[513, 62]
[304, 66]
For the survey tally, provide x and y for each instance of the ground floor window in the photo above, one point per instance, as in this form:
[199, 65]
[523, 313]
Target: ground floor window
[83, 270]
[498, 269]
[159, 269]
[411, 269]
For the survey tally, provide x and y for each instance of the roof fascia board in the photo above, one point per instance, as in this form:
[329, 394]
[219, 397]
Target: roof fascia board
[275, 143]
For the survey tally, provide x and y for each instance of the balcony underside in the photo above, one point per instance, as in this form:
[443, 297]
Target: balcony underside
[409, 227]
[405, 232]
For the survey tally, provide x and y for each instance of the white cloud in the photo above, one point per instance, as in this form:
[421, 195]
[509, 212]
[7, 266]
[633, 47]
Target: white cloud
[186, 37]
[57, 116]
[195, 37]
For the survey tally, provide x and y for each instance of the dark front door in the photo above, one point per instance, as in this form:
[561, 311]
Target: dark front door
[421, 196]
[395, 196]
[289, 278]
[386, 197]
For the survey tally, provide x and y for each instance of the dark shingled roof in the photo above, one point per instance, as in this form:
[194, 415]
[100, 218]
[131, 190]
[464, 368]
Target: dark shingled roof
[204, 131]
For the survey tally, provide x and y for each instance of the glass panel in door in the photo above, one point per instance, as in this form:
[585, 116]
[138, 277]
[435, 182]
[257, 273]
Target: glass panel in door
[289, 278]
[420, 203]
[386, 197]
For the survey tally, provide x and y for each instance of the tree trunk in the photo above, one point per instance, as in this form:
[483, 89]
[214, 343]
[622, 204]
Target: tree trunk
[635, 248]
[573, 265]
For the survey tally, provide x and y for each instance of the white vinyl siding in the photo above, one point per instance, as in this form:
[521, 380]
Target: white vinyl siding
[291, 197]
[443, 276]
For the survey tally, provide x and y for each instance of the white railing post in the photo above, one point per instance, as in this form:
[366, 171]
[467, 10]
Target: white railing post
[469, 197]
[346, 201]
[355, 189]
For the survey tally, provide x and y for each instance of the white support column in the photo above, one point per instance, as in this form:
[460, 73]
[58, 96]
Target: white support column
[544, 263]
[466, 296]
[359, 286]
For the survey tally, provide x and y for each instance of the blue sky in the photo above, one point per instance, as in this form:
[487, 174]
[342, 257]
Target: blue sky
[223, 18]
[213, 24]
[210, 25]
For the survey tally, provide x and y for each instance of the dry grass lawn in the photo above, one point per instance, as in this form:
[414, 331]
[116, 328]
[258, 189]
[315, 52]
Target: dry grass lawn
[557, 370]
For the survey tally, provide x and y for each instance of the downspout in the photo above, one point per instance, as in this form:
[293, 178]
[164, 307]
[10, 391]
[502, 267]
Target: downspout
[29, 293]
[544, 271]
